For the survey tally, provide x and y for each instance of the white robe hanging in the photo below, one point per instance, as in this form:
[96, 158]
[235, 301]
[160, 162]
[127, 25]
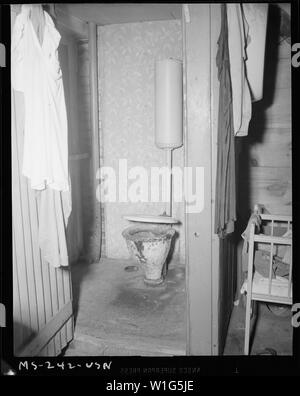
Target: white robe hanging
[256, 16]
[35, 71]
[247, 25]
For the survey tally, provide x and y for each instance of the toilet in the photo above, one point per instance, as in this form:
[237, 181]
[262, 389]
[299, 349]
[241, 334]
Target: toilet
[149, 239]
[149, 242]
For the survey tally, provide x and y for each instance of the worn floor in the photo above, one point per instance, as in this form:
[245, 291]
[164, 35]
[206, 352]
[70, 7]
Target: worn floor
[271, 331]
[117, 314]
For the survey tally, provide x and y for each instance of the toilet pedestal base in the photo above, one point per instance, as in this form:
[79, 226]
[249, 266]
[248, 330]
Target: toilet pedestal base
[154, 282]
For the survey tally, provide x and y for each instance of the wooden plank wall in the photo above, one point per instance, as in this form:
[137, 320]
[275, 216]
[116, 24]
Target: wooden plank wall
[265, 158]
[39, 290]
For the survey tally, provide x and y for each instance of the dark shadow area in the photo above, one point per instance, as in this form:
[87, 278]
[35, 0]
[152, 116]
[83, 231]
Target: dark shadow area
[253, 322]
[79, 270]
[24, 333]
[268, 331]
[227, 284]
[172, 249]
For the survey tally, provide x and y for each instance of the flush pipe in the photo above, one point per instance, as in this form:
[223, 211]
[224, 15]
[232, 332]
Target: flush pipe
[169, 184]
[94, 248]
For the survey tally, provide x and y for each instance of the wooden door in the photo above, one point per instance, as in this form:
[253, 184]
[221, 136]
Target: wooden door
[42, 294]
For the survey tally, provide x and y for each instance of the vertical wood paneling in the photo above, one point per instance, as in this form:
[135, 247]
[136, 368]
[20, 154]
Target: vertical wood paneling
[18, 330]
[47, 291]
[39, 291]
[68, 294]
[18, 226]
[27, 235]
[67, 287]
[61, 299]
[55, 304]
[38, 275]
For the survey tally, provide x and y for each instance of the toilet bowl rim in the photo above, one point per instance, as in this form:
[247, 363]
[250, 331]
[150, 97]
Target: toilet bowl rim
[150, 219]
[128, 235]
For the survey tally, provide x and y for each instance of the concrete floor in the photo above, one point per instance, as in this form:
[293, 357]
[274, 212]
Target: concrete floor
[270, 331]
[117, 314]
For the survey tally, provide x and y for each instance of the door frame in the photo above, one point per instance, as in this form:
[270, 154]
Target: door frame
[200, 35]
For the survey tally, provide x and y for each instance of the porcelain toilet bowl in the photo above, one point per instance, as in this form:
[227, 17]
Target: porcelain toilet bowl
[149, 245]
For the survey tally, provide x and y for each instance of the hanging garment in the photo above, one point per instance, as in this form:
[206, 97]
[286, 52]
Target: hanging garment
[237, 42]
[254, 219]
[225, 200]
[36, 72]
[53, 210]
[247, 25]
[255, 17]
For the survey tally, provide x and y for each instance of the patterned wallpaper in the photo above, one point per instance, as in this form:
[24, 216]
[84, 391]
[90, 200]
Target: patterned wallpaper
[127, 55]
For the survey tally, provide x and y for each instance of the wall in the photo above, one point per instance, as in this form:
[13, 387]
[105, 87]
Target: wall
[85, 148]
[127, 54]
[265, 159]
[68, 55]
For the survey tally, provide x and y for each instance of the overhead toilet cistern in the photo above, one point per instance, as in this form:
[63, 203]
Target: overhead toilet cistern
[149, 241]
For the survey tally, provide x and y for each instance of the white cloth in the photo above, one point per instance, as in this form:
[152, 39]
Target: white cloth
[260, 285]
[246, 42]
[35, 71]
[256, 17]
[54, 210]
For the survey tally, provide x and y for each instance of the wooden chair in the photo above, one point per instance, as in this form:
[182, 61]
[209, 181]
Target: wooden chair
[273, 290]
